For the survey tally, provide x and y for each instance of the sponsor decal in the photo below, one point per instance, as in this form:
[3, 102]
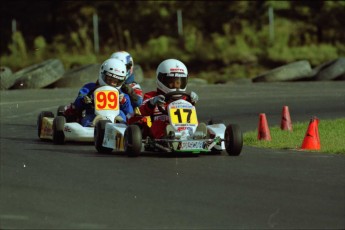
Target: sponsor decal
[67, 129]
[180, 104]
[185, 127]
[119, 141]
[177, 69]
[181, 128]
[176, 75]
[110, 134]
[47, 131]
[190, 145]
[161, 118]
[190, 125]
[183, 106]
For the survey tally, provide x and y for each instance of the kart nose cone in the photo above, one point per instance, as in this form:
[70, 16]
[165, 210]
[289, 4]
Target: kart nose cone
[199, 135]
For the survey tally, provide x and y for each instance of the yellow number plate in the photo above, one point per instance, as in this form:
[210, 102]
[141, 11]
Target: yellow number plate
[183, 116]
[107, 100]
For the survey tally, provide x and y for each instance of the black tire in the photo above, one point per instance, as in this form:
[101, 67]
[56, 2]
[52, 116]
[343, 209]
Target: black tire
[233, 140]
[99, 136]
[60, 111]
[340, 78]
[214, 121]
[77, 76]
[39, 75]
[39, 120]
[6, 78]
[58, 127]
[290, 72]
[331, 70]
[133, 140]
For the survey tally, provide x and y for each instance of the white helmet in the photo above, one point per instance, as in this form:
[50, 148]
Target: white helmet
[169, 71]
[112, 73]
[126, 58]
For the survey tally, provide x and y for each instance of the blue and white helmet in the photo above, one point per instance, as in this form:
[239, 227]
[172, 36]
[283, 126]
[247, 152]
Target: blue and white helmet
[126, 58]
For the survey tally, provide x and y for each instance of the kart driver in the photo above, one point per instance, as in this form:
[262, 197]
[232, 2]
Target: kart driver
[130, 87]
[112, 73]
[171, 75]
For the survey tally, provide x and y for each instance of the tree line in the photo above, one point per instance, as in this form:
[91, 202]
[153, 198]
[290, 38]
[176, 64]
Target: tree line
[227, 35]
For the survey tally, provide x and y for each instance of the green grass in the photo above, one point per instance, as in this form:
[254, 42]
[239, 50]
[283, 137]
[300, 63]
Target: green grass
[331, 132]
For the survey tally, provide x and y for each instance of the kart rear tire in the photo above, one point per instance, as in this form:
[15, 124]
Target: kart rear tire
[233, 140]
[133, 140]
[39, 120]
[331, 70]
[99, 136]
[58, 127]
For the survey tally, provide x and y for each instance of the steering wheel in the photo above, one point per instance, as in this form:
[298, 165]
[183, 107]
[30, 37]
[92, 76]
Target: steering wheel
[178, 95]
[173, 96]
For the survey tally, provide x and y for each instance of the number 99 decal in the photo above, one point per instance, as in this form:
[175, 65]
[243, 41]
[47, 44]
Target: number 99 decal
[106, 100]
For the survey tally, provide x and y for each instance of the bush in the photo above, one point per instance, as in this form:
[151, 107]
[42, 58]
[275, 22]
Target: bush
[40, 48]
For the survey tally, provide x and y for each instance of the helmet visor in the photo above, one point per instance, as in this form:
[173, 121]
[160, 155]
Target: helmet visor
[112, 79]
[173, 80]
[129, 66]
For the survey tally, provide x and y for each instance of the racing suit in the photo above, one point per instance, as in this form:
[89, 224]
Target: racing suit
[87, 90]
[159, 120]
[134, 91]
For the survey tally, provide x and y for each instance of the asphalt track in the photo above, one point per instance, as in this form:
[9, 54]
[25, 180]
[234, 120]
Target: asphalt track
[44, 186]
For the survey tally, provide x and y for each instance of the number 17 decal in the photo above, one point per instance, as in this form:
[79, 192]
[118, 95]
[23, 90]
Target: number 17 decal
[183, 116]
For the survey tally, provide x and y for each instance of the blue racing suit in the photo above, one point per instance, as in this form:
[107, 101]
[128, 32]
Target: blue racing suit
[87, 90]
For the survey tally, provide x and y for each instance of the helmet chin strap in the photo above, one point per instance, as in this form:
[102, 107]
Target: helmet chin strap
[160, 91]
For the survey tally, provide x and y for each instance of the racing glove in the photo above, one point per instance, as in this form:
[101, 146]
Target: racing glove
[157, 100]
[194, 97]
[122, 98]
[126, 89]
[87, 100]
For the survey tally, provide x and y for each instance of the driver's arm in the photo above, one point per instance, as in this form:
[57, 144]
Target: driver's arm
[146, 109]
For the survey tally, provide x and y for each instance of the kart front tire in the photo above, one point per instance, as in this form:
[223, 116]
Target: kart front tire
[99, 136]
[60, 111]
[233, 140]
[213, 121]
[58, 127]
[39, 120]
[133, 140]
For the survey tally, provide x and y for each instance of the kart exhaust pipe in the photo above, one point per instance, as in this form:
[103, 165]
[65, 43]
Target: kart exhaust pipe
[161, 147]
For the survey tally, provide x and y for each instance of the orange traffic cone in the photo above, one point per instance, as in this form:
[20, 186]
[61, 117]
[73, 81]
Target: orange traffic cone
[312, 140]
[285, 123]
[263, 130]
